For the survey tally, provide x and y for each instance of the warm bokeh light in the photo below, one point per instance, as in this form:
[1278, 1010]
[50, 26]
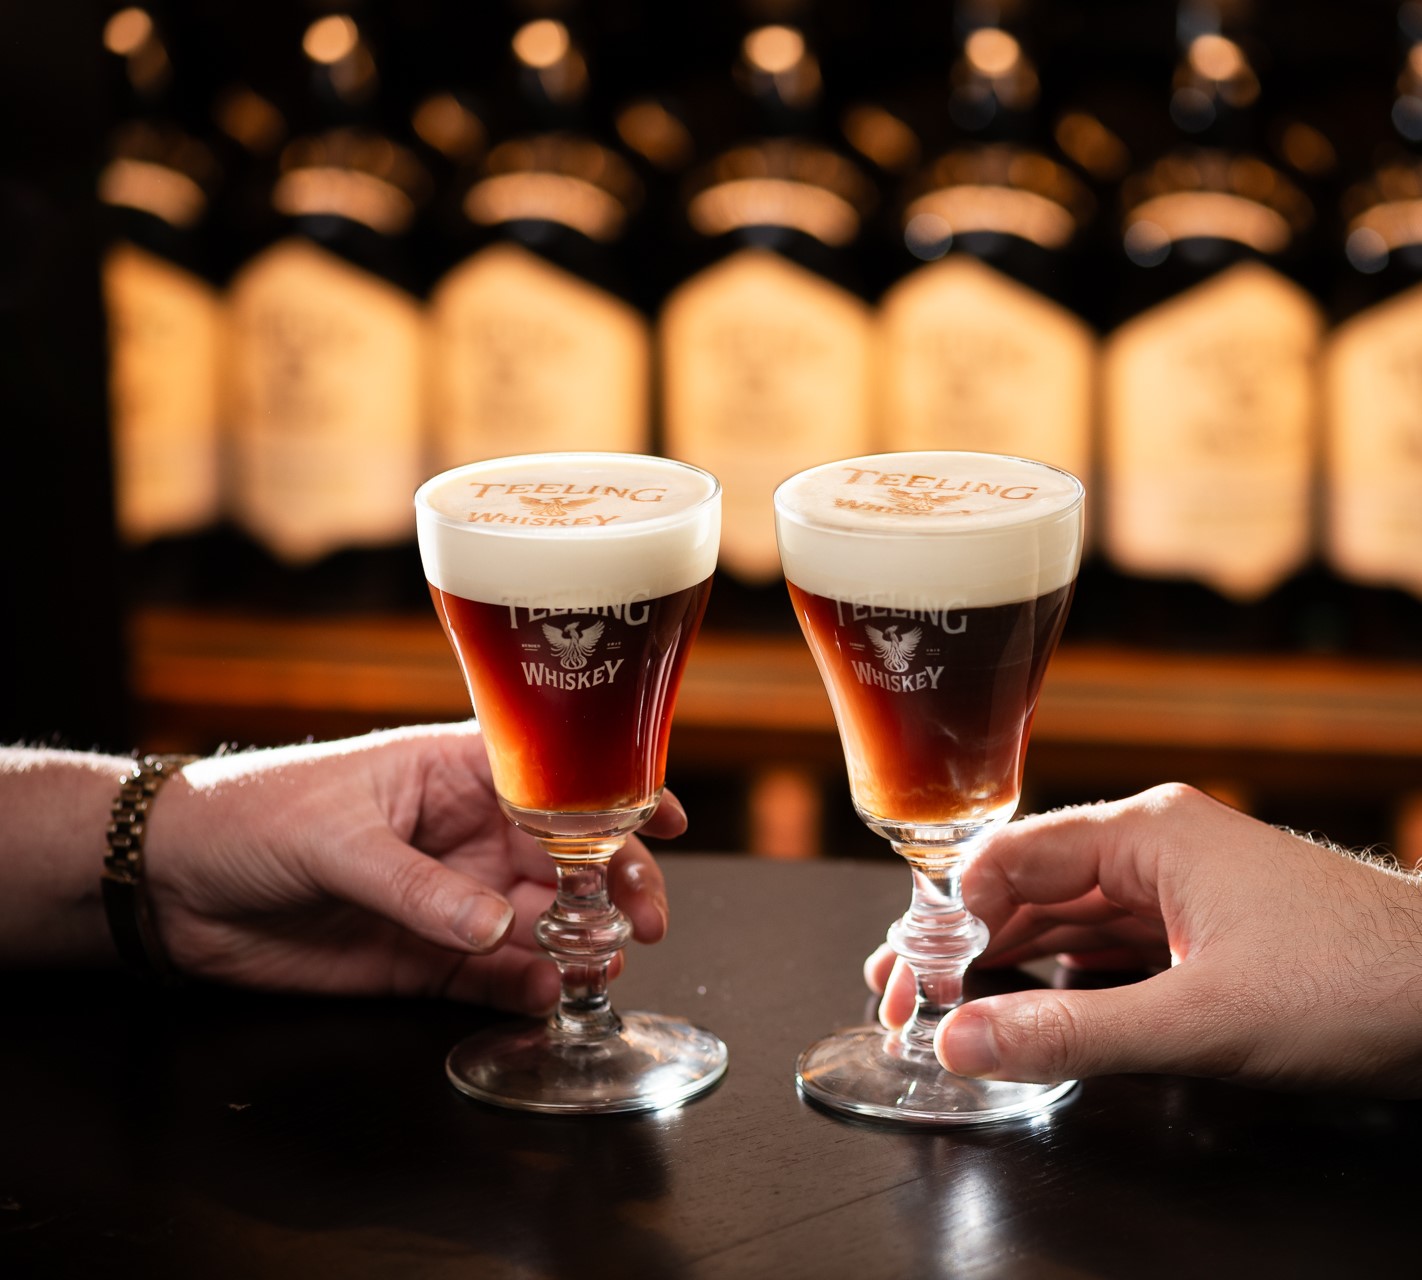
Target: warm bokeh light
[249, 119]
[1092, 145]
[970, 207]
[346, 193]
[329, 40]
[1215, 215]
[881, 136]
[127, 31]
[1394, 225]
[992, 52]
[547, 197]
[750, 202]
[654, 132]
[1307, 149]
[154, 188]
[774, 49]
[541, 44]
[449, 126]
[1217, 58]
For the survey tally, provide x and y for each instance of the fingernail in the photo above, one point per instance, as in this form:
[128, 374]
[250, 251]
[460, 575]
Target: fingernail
[659, 901]
[482, 921]
[966, 1046]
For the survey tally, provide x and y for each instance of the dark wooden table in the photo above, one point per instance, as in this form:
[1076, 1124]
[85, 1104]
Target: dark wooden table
[215, 1134]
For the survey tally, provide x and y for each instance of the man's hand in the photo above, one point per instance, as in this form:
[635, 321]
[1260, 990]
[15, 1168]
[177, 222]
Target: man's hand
[378, 864]
[1291, 963]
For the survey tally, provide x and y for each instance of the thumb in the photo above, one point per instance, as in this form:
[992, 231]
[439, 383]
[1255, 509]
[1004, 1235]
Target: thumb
[387, 877]
[1156, 1025]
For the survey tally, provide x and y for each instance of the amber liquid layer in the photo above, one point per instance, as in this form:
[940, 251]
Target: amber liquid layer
[934, 707]
[576, 705]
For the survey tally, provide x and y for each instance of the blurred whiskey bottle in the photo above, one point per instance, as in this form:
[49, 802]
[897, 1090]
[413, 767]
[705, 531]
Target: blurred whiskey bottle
[1373, 373]
[163, 305]
[766, 341]
[1209, 380]
[327, 339]
[981, 348]
[538, 341]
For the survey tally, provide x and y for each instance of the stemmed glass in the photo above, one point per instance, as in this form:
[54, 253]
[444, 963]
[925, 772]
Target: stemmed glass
[931, 588]
[571, 586]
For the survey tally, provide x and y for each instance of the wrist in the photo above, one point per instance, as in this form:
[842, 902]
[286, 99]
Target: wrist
[126, 886]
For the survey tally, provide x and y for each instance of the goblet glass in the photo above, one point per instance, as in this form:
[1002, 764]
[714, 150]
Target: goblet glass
[571, 586]
[931, 588]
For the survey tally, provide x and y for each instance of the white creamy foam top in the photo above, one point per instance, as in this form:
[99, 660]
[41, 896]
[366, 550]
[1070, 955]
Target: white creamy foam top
[931, 529]
[568, 529]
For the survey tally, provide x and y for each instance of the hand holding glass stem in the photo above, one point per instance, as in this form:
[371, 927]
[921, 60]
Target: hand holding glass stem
[570, 587]
[931, 589]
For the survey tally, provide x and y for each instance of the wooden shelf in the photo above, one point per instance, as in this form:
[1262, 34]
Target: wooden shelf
[1293, 736]
[401, 667]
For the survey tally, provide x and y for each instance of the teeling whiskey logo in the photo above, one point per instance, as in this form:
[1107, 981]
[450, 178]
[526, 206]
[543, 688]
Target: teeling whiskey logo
[894, 650]
[921, 504]
[557, 506]
[572, 643]
[906, 494]
[554, 506]
[895, 653]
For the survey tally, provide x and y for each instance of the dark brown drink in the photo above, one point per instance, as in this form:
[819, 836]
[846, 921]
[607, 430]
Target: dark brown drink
[570, 586]
[932, 588]
[576, 703]
[934, 706]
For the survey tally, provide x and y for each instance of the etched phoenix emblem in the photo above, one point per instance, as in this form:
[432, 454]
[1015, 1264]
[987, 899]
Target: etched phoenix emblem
[894, 650]
[554, 506]
[572, 645]
[910, 503]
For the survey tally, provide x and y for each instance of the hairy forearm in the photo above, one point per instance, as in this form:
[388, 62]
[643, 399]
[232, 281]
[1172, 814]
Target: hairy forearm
[56, 810]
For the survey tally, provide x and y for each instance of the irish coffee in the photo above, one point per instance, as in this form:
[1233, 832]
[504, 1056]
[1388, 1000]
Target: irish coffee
[933, 706]
[932, 589]
[575, 703]
[570, 586]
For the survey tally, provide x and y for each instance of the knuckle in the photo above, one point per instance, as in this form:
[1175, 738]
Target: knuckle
[1054, 1025]
[1046, 1035]
[412, 886]
[1172, 795]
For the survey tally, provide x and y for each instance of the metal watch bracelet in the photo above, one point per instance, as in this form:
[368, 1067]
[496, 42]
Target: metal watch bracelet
[126, 903]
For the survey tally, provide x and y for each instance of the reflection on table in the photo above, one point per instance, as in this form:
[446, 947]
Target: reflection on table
[220, 1133]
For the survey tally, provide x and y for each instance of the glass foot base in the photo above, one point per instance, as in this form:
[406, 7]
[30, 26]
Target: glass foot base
[869, 1072]
[653, 1062]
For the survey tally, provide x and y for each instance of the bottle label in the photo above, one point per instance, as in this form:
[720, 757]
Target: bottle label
[766, 371]
[526, 358]
[974, 360]
[1373, 403]
[164, 338]
[325, 378]
[1209, 409]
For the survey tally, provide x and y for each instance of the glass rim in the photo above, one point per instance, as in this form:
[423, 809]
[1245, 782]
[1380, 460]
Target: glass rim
[555, 533]
[783, 511]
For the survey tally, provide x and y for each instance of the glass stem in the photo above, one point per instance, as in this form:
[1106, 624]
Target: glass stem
[940, 938]
[582, 931]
